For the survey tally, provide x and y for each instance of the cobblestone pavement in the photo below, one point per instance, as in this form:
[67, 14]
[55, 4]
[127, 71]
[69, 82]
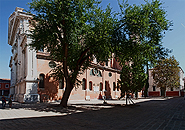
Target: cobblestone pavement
[147, 114]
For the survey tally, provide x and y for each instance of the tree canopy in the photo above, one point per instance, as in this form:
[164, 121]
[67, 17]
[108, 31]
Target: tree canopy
[140, 32]
[166, 73]
[74, 33]
[139, 39]
[132, 78]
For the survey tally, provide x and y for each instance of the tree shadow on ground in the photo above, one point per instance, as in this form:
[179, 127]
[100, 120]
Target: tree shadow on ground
[72, 108]
[116, 117]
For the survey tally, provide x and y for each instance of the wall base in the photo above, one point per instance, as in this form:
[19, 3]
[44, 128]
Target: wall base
[31, 98]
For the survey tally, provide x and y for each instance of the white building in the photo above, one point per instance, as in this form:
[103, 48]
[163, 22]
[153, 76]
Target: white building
[156, 91]
[22, 63]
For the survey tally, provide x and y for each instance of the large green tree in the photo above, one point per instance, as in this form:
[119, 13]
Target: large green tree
[73, 32]
[166, 73]
[132, 78]
[140, 34]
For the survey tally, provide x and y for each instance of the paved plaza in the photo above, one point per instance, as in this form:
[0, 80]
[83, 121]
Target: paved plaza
[147, 114]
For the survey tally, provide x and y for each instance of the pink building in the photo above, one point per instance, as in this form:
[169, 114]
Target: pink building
[97, 81]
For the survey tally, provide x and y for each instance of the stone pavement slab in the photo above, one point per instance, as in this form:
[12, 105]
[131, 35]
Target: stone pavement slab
[23, 113]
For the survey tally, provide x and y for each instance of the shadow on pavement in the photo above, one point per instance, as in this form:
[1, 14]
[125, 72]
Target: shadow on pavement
[72, 108]
[154, 114]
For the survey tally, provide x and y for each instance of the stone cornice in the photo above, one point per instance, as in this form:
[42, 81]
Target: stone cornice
[14, 20]
[43, 55]
[104, 68]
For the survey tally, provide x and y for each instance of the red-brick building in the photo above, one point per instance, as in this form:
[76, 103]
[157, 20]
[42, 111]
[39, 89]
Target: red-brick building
[4, 87]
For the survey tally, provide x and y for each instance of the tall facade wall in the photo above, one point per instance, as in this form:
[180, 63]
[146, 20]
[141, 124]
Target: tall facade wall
[22, 63]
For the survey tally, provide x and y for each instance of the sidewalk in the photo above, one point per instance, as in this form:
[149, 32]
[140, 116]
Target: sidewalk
[147, 114]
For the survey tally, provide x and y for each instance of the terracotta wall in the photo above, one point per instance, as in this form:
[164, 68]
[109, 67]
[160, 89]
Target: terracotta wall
[154, 94]
[50, 90]
[3, 89]
[172, 93]
[3, 86]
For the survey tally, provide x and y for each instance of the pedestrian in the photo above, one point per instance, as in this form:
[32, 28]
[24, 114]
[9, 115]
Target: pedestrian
[3, 101]
[10, 102]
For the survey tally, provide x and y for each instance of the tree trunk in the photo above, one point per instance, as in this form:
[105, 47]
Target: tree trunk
[147, 84]
[136, 94]
[126, 99]
[67, 92]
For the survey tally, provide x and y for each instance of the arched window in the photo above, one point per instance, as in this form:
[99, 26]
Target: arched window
[101, 86]
[154, 89]
[106, 85]
[90, 85]
[41, 80]
[84, 84]
[114, 86]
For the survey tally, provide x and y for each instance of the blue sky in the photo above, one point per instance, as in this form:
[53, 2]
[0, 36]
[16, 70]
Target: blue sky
[174, 40]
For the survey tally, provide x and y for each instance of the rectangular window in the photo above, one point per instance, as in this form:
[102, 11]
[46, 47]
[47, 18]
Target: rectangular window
[171, 89]
[106, 85]
[101, 86]
[7, 86]
[41, 80]
[0, 85]
[90, 85]
[154, 88]
[84, 84]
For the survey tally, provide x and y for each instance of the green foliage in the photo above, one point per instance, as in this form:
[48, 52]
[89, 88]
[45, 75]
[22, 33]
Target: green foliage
[141, 30]
[138, 39]
[166, 73]
[72, 31]
[132, 78]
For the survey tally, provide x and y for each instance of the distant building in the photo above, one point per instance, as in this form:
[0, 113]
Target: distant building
[4, 87]
[156, 91]
[30, 70]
